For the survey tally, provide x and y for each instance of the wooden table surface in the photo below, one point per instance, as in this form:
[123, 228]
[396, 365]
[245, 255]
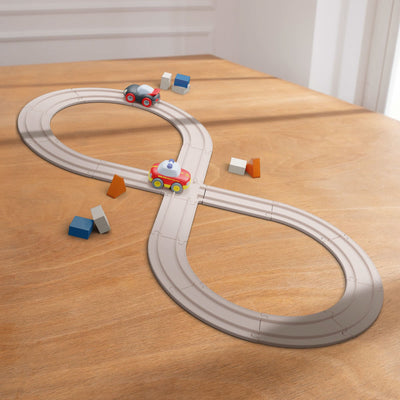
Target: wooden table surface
[87, 319]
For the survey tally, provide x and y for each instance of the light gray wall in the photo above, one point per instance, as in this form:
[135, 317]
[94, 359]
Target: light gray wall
[354, 49]
[268, 35]
[72, 30]
[342, 38]
[272, 36]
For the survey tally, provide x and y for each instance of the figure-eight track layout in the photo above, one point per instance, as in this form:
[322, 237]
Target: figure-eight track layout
[355, 312]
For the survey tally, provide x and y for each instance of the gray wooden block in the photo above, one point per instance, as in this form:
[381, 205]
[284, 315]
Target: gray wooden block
[100, 219]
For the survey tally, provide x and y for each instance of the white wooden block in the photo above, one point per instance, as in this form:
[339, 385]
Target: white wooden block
[166, 81]
[237, 166]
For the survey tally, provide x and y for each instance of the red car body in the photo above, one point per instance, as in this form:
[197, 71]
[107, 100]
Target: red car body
[177, 184]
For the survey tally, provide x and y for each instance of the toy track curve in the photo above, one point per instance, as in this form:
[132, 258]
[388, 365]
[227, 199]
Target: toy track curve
[360, 304]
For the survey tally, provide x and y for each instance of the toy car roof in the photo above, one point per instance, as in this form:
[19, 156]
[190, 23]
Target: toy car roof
[145, 89]
[169, 168]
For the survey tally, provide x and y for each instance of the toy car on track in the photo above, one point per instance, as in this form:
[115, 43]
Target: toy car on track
[169, 174]
[143, 94]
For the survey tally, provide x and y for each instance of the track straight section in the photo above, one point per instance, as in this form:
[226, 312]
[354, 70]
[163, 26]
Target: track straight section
[354, 313]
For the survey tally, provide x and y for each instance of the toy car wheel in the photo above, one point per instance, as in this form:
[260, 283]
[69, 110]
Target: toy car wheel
[157, 183]
[176, 187]
[130, 97]
[146, 102]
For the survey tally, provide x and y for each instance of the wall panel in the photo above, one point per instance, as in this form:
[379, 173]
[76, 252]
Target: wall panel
[42, 31]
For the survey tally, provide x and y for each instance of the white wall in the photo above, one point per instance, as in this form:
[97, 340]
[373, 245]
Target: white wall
[340, 49]
[271, 36]
[353, 51]
[382, 55]
[268, 35]
[393, 100]
[71, 30]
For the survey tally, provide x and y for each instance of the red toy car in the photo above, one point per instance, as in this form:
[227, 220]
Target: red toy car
[169, 174]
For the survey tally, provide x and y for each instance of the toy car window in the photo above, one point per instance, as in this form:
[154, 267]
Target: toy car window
[167, 168]
[145, 89]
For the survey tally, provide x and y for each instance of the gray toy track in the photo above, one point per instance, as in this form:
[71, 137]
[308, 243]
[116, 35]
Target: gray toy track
[354, 313]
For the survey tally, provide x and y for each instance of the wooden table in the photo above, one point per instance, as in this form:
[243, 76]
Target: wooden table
[87, 319]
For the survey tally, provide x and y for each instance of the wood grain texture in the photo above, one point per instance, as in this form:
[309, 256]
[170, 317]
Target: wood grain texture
[87, 320]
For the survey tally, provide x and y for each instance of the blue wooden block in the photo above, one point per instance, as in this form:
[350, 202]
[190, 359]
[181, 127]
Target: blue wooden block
[81, 227]
[182, 80]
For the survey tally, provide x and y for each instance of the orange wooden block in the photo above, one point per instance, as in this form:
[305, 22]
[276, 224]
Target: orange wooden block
[253, 168]
[117, 187]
